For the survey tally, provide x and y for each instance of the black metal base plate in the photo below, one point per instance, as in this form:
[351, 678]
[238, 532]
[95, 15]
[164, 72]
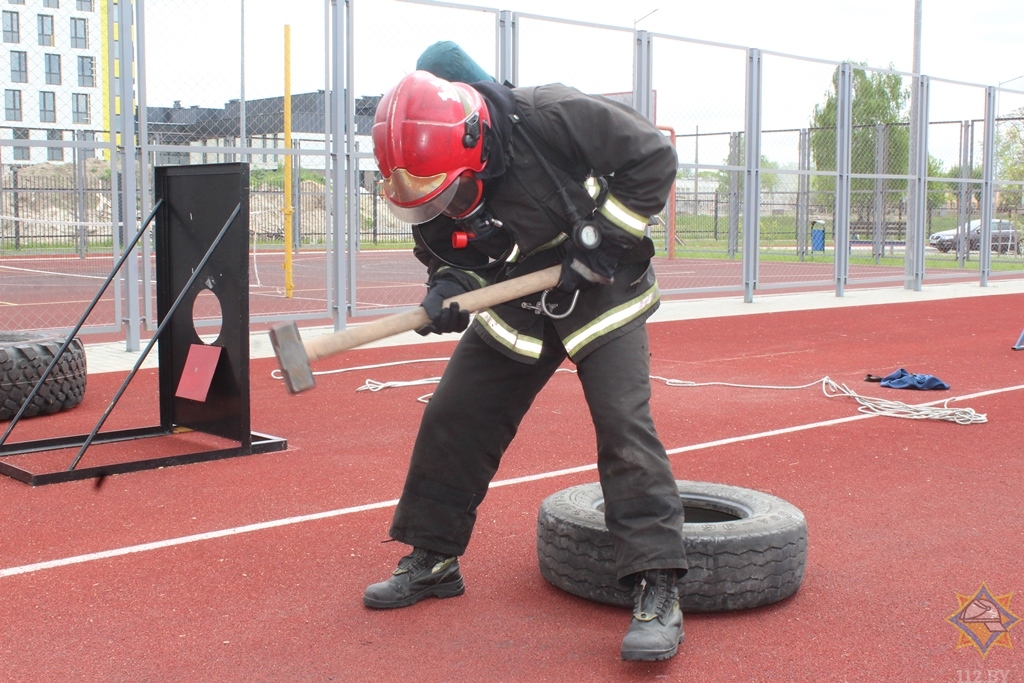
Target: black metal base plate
[22, 461]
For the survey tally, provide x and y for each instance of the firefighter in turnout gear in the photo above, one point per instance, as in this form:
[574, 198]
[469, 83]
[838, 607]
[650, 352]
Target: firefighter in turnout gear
[499, 182]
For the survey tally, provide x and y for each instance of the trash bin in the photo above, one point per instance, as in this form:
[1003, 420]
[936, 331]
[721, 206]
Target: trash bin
[818, 239]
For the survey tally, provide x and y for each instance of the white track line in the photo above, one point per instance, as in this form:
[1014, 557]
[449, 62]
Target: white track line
[182, 540]
[55, 273]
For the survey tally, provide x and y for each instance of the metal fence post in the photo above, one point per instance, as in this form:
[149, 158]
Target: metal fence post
[803, 204]
[337, 274]
[643, 75]
[987, 188]
[734, 195]
[508, 47]
[844, 130]
[146, 167]
[129, 203]
[78, 163]
[917, 200]
[881, 158]
[353, 223]
[752, 175]
[15, 206]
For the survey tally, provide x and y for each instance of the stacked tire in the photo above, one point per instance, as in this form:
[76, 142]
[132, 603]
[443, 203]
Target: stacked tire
[24, 357]
[745, 548]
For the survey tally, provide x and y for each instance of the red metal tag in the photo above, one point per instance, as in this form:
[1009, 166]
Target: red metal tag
[200, 364]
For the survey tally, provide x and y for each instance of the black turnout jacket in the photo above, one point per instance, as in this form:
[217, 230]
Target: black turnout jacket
[617, 169]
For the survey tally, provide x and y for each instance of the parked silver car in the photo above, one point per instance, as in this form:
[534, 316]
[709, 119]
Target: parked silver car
[1004, 237]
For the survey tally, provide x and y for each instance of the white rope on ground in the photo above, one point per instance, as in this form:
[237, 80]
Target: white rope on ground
[876, 406]
[881, 406]
[373, 385]
[831, 389]
[276, 373]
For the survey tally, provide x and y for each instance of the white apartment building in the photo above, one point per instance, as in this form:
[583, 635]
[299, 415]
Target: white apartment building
[51, 68]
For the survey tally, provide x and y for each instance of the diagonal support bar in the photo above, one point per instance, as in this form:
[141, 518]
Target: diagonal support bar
[81, 321]
[145, 352]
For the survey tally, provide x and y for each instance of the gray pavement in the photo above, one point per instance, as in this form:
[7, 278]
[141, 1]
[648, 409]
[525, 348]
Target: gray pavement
[112, 356]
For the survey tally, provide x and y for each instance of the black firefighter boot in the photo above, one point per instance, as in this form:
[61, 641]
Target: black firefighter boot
[421, 574]
[657, 626]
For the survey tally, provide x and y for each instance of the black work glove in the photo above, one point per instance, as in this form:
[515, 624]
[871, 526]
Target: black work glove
[447, 319]
[582, 269]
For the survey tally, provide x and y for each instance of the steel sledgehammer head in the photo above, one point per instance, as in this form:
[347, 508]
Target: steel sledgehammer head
[291, 357]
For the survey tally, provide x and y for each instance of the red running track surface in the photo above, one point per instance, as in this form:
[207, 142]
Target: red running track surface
[903, 516]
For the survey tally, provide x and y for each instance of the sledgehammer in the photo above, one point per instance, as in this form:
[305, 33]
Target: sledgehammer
[295, 355]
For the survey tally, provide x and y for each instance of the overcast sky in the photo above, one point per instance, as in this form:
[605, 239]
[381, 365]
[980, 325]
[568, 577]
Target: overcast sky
[981, 41]
[978, 41]
[193, 50]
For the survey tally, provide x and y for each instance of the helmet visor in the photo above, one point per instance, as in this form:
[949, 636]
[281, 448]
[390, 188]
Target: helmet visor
[455, 201]
[467, 196]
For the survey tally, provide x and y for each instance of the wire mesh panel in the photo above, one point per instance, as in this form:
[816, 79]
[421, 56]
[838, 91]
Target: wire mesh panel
[209, 84]
[227, 91]
[798, 165]
[1008, 187]
[56, 215]
[385, 274]
[699, 93]
[953, 219]
[879, 167]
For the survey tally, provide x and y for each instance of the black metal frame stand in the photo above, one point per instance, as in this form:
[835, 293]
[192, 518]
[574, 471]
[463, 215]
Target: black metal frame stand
[192, 256]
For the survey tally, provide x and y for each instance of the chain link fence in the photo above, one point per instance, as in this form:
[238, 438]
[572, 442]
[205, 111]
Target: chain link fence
[794, 172]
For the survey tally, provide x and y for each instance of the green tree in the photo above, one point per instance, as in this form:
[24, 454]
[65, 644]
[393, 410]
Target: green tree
[952, 187]
[1010, 160]
[878, 98]
[769, 180]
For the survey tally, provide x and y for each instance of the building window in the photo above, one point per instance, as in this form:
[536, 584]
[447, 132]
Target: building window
[86, 72]
[52, 68]
[15, 2]
[80, 109]
[47, 107]
[83, 5]
[45, 30]
[12, 105]
[79, 33]
[86, 136]
[12, 28]
[21, 153]
[55, 153]
[19, 67]
[51, 3]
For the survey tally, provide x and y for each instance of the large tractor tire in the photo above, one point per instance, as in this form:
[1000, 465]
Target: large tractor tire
[745, 548]
[24, 356]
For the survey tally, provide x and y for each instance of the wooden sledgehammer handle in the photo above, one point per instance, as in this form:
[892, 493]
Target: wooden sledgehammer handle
[476, 300]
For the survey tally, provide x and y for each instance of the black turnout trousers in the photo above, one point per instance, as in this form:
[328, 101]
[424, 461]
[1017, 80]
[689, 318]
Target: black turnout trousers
[474, 414]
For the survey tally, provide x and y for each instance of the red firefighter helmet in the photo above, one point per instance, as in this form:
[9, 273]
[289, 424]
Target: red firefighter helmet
[428, 138]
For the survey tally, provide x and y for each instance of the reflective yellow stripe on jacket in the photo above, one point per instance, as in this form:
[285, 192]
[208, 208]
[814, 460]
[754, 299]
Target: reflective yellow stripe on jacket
[508, 336]
[621, 216]
[612, 320]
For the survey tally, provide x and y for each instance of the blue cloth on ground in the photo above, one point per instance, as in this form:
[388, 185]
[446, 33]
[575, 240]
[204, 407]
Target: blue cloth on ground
[901, 379]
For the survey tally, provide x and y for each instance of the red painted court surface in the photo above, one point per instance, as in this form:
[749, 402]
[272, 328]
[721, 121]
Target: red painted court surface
[252, 568]
[50, 292]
